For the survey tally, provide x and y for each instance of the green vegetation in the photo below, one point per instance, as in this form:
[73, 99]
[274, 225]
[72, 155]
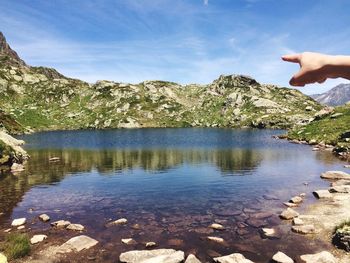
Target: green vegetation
[5, 153]
[15, 246]
[330, 129]
[343, 227]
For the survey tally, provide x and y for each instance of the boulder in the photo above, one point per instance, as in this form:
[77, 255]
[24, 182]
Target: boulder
[77, 244]
[192, 259]
[37, 239]
[233, 258]
[322, 194]
[18, 221]
[304, 229]
[289, 213]
[280, 257]
[335, 175]
[322, 257]
[153, 256]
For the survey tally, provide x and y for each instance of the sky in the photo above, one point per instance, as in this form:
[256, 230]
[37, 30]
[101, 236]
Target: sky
[185, 41]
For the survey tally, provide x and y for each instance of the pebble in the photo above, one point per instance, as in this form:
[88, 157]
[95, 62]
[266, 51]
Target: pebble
[151, 244]
[19, 222]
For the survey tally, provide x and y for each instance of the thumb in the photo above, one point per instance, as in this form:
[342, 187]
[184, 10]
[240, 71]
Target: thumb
[295, 58]
[298, 79]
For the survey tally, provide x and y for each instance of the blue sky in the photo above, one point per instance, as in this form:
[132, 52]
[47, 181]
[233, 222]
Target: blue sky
[186, 41]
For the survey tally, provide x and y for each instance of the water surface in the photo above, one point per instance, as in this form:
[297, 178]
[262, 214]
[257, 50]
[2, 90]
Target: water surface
[170, 184]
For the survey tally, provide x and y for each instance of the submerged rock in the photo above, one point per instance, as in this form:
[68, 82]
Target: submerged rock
[233, 258]
[280, 257]
[78, 243]
[61, 224]
[37, 239]
[153, 256]
[75, 227]
[19, 221]
[121, 221]
[192, 259]
[322, 257]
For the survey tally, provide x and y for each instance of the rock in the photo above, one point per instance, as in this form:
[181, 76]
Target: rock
[37, 239]
[296, 200]
[256, 222]
[151, 244]
[340, 189]
[3, 258]
[302, 195]
[233, 258]
[297, 221]
[121, 221]
[78, 244]
[54, 159]
[216, 239]
[268, 232]
[128, 241]
[75, 227]
[153, 256]
[21, 227]
[60, 224]
[192, 259]
[217, 226]
[304, 229]
[335, 175]
[322, 194]
[336, 115]
[289, 213]
[44, 217]
[322, 257]
[289, 204]
[309, 108]
[16, 167]
[280, 257]
[19, 222]
[346, 166]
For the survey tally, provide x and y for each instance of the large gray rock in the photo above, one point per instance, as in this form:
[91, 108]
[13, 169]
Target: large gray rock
[78, 243]
[280, 257]
[153, 256]
[192, 259]
[322, 257]
[336, 175]
[233, 258]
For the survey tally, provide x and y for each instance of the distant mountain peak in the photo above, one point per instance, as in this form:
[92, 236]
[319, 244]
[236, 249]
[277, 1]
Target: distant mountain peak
[336, 96]
[7, 55]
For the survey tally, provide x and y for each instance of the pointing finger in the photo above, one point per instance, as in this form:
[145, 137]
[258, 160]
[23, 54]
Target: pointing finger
[295, 58]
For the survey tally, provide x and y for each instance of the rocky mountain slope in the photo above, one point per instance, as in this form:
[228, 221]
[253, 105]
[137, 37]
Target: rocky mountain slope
[37, 98]
[339, 95]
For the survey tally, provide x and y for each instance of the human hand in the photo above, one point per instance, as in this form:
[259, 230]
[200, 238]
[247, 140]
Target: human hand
[313, 68]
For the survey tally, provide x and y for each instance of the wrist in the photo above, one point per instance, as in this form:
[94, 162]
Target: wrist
[336, 66]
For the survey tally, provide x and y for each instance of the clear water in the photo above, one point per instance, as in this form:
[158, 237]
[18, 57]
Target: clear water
[173, 183]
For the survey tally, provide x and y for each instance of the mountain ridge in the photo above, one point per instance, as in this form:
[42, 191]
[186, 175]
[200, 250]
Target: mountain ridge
[339, 95]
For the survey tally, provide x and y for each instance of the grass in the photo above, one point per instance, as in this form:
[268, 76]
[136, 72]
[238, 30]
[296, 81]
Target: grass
[343, 226]
[16, 246]
[327, 130]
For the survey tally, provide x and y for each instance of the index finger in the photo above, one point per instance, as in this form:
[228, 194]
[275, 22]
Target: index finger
[295, 58]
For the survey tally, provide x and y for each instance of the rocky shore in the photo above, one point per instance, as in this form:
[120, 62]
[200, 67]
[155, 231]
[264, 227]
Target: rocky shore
[12, 154]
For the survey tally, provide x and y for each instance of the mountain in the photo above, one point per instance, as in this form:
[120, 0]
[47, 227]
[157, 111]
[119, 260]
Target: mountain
[338, 95]
[38, 98]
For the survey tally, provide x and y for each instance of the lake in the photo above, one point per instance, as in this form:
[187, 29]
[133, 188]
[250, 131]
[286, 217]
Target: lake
[170, 184]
